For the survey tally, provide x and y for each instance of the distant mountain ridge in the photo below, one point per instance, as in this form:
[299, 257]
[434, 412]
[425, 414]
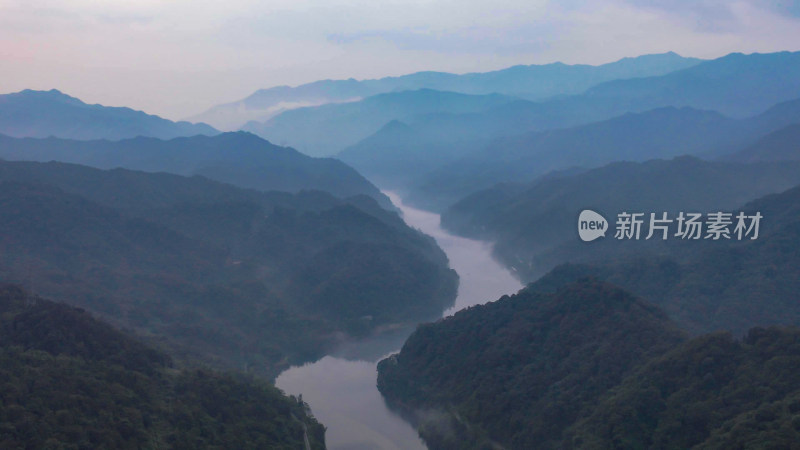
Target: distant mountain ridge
[241, 159]
[659, 133]
[436, 170]
[758, 80]
[327, 129]
[738, 86]
[42, 114]
[532, 81]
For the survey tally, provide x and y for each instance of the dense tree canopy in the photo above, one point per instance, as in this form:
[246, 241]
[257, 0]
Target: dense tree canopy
[237, 278]
[70, 381]
[587, 365]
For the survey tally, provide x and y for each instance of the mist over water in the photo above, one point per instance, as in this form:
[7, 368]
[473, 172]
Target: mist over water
[341, 389]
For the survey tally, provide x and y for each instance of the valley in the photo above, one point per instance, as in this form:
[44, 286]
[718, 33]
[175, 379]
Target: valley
[340, 388]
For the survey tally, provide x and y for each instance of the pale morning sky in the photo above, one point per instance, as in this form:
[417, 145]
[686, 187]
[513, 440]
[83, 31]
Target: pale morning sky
[177, 58]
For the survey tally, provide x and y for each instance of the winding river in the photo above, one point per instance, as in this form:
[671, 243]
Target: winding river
[341, 388]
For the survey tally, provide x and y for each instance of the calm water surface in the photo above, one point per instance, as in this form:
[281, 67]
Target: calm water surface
[341, 388]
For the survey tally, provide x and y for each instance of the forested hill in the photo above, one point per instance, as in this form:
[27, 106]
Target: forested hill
[71, 381]
[234, 277]
[587, 365]
[520, 370]
[711, 392]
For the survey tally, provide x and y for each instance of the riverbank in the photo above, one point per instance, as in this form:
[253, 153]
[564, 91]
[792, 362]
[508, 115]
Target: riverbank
[341, 389]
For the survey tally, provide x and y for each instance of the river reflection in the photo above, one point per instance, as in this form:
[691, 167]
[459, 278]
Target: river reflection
[341, 388]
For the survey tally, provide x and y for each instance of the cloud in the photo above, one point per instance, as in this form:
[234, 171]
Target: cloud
[718, 15]
[468, 40]
[177, 57]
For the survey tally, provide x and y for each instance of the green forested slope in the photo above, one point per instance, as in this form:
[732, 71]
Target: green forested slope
[587, 365]
[70, 381]
[238, 278]
[520, 370]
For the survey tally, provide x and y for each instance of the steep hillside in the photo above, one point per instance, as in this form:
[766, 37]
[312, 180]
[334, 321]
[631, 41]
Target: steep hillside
[238, 278]
[72, 381]
[519, 371]
[587, 365]
[711, 392]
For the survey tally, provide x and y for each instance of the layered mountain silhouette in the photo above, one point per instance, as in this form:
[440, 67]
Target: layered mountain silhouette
[533, 82]
[239, 158]
[435, 173]
[228, 252]
[659, 133]
[738, 85]
[503, 128]
[325, 130]
[43, 114]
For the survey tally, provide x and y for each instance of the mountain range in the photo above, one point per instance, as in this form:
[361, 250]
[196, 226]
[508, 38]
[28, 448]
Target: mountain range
[447, 137]
[660, 133]
[738, 85]
[532, 82]
[325, 130]
[227, 259]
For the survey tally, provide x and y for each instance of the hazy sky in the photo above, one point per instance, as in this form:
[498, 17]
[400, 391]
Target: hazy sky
[176, 58]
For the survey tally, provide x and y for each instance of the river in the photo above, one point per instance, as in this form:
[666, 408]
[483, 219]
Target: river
[341, 388]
